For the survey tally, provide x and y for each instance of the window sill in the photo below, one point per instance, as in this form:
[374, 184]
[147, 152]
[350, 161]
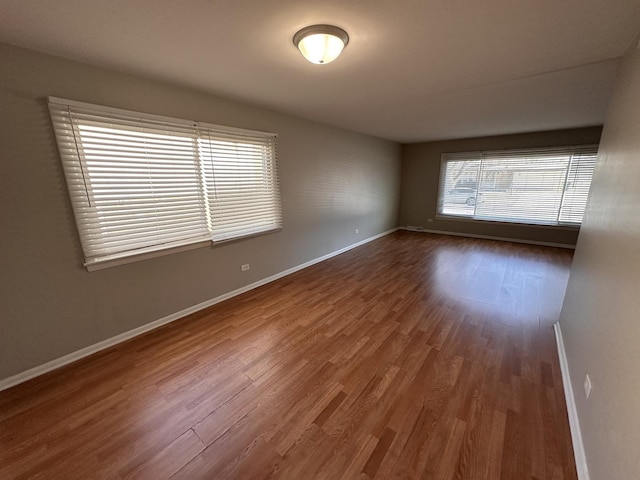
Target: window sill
[161, 250]
[505, 223]
[144, 254]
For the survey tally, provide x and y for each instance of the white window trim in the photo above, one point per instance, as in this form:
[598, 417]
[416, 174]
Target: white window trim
[145, 254]
[158, 118]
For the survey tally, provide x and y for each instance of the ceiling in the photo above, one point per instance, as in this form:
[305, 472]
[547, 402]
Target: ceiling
[414, 70]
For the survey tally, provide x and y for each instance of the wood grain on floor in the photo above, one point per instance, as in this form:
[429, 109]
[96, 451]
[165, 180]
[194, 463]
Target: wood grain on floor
[413, 356]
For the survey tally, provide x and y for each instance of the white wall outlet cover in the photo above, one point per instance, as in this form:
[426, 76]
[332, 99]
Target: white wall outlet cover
[587, 386]
[357, 231]
[244, 267]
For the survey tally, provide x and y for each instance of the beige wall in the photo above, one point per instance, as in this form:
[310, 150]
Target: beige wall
[332, 182]
[600, 319]
[421, 173]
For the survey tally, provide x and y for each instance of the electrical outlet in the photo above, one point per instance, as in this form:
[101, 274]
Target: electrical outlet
[245, 267]
[429, 220]
[587, 386]
[357, 231]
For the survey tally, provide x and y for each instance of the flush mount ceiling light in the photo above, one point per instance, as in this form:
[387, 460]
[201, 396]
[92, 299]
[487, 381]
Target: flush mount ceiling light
[321, 43]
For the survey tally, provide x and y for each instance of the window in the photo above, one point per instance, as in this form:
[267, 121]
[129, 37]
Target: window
[544, 186]
[142, 183]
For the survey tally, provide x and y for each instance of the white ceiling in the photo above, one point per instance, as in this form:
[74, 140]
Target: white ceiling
[414, 70]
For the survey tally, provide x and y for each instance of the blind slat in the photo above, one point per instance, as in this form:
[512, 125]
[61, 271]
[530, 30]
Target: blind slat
[139, 181]
[545, 186]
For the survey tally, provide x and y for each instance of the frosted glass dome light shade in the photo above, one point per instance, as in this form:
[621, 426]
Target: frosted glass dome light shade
[321, 44]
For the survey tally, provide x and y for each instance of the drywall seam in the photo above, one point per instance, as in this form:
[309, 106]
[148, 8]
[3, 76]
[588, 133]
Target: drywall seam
[574, 424]
[91, 349]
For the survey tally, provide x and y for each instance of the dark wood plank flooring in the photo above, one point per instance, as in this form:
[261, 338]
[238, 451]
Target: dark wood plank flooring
[414, 356]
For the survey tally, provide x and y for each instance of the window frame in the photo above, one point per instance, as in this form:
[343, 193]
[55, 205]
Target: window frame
[74, 163]
[480, 156]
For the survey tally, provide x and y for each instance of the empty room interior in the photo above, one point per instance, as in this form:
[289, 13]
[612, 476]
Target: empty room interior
[320, 240]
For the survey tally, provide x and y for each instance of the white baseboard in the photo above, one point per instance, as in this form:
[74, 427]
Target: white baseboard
[489, 237]
[84, 352]
[574, 423]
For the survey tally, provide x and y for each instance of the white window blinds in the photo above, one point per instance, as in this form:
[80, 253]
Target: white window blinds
[546, 186]
[242, 184]
[140, 183]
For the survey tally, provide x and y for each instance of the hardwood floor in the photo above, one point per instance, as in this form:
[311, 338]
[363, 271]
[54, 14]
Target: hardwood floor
[414, 356]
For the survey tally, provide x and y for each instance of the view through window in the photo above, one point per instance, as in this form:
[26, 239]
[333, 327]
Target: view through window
[541, 186]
